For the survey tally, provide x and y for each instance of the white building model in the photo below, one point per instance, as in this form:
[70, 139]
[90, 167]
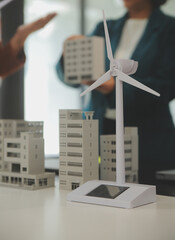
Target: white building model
[78, 162]
[108, 156]
[22, 155]
[83, 59]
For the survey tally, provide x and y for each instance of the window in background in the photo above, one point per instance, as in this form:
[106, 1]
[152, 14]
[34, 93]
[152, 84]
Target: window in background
[44, 93]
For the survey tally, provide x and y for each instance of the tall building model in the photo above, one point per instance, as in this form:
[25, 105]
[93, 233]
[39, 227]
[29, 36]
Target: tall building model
[83, 59]
[22, 155]
[108, 156]
[78, 162]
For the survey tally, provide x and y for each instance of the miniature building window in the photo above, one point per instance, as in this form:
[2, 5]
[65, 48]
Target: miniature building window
[12, 179]
[13, 154]
[74, 125]
[29, 181]
[113, 151]
[5, 179]
[62, 134]
[113, 160]
[128, 151]
[21, 125]
[72, 154]
[62, 163]
[128, 159]
[13, 145]
[43, 182]
[87, 76]
[75, 185]
[128, 168]
[18, 133]
[75, 115]
[24, 169]
[24, 156]
[62, 154]
[62, 172]
[113, 169]
[76, 174]
[0, 150]
[24, 146]
[36, 156]
[15, 167]
[74, 135]
[62, 144]
[74, 144]
[36, 146]
[128, 142]
[15, 180]
[74, 164]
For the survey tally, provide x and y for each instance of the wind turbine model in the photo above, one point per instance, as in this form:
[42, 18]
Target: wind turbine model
[122, 194]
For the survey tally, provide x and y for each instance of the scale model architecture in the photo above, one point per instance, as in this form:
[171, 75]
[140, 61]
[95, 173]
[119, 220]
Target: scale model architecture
[78, 162]
[22, 155]
[83, 59]
[108, 156]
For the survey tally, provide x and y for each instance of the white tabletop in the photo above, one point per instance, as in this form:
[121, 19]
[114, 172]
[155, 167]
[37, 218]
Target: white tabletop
[46, 215]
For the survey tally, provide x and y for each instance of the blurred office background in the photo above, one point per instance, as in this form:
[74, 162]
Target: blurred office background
[41, 93]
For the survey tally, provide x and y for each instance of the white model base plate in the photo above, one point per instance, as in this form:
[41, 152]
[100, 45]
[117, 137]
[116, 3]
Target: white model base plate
[111, 194]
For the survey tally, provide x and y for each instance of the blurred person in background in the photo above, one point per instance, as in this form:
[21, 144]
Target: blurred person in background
[144, 34]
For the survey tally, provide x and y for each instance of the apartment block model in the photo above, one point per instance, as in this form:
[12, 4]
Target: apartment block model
[22, 155]
[108, 156]
[83, 59]
[78, 160]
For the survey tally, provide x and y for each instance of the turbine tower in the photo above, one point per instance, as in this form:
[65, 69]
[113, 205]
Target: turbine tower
[119, 69]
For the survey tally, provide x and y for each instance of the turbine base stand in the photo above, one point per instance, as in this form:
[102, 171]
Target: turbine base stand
[114, 195]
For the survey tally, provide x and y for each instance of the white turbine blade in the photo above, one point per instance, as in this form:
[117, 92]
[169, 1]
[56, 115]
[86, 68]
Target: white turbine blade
[125, 78]
[97, 83]
[108, 43]
[4, 3]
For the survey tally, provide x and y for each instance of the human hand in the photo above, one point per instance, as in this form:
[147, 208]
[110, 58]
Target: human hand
[105, 88]
[23, 31]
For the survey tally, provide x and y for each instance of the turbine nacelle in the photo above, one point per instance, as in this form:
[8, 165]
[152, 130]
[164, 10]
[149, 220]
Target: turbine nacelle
[127, 66]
